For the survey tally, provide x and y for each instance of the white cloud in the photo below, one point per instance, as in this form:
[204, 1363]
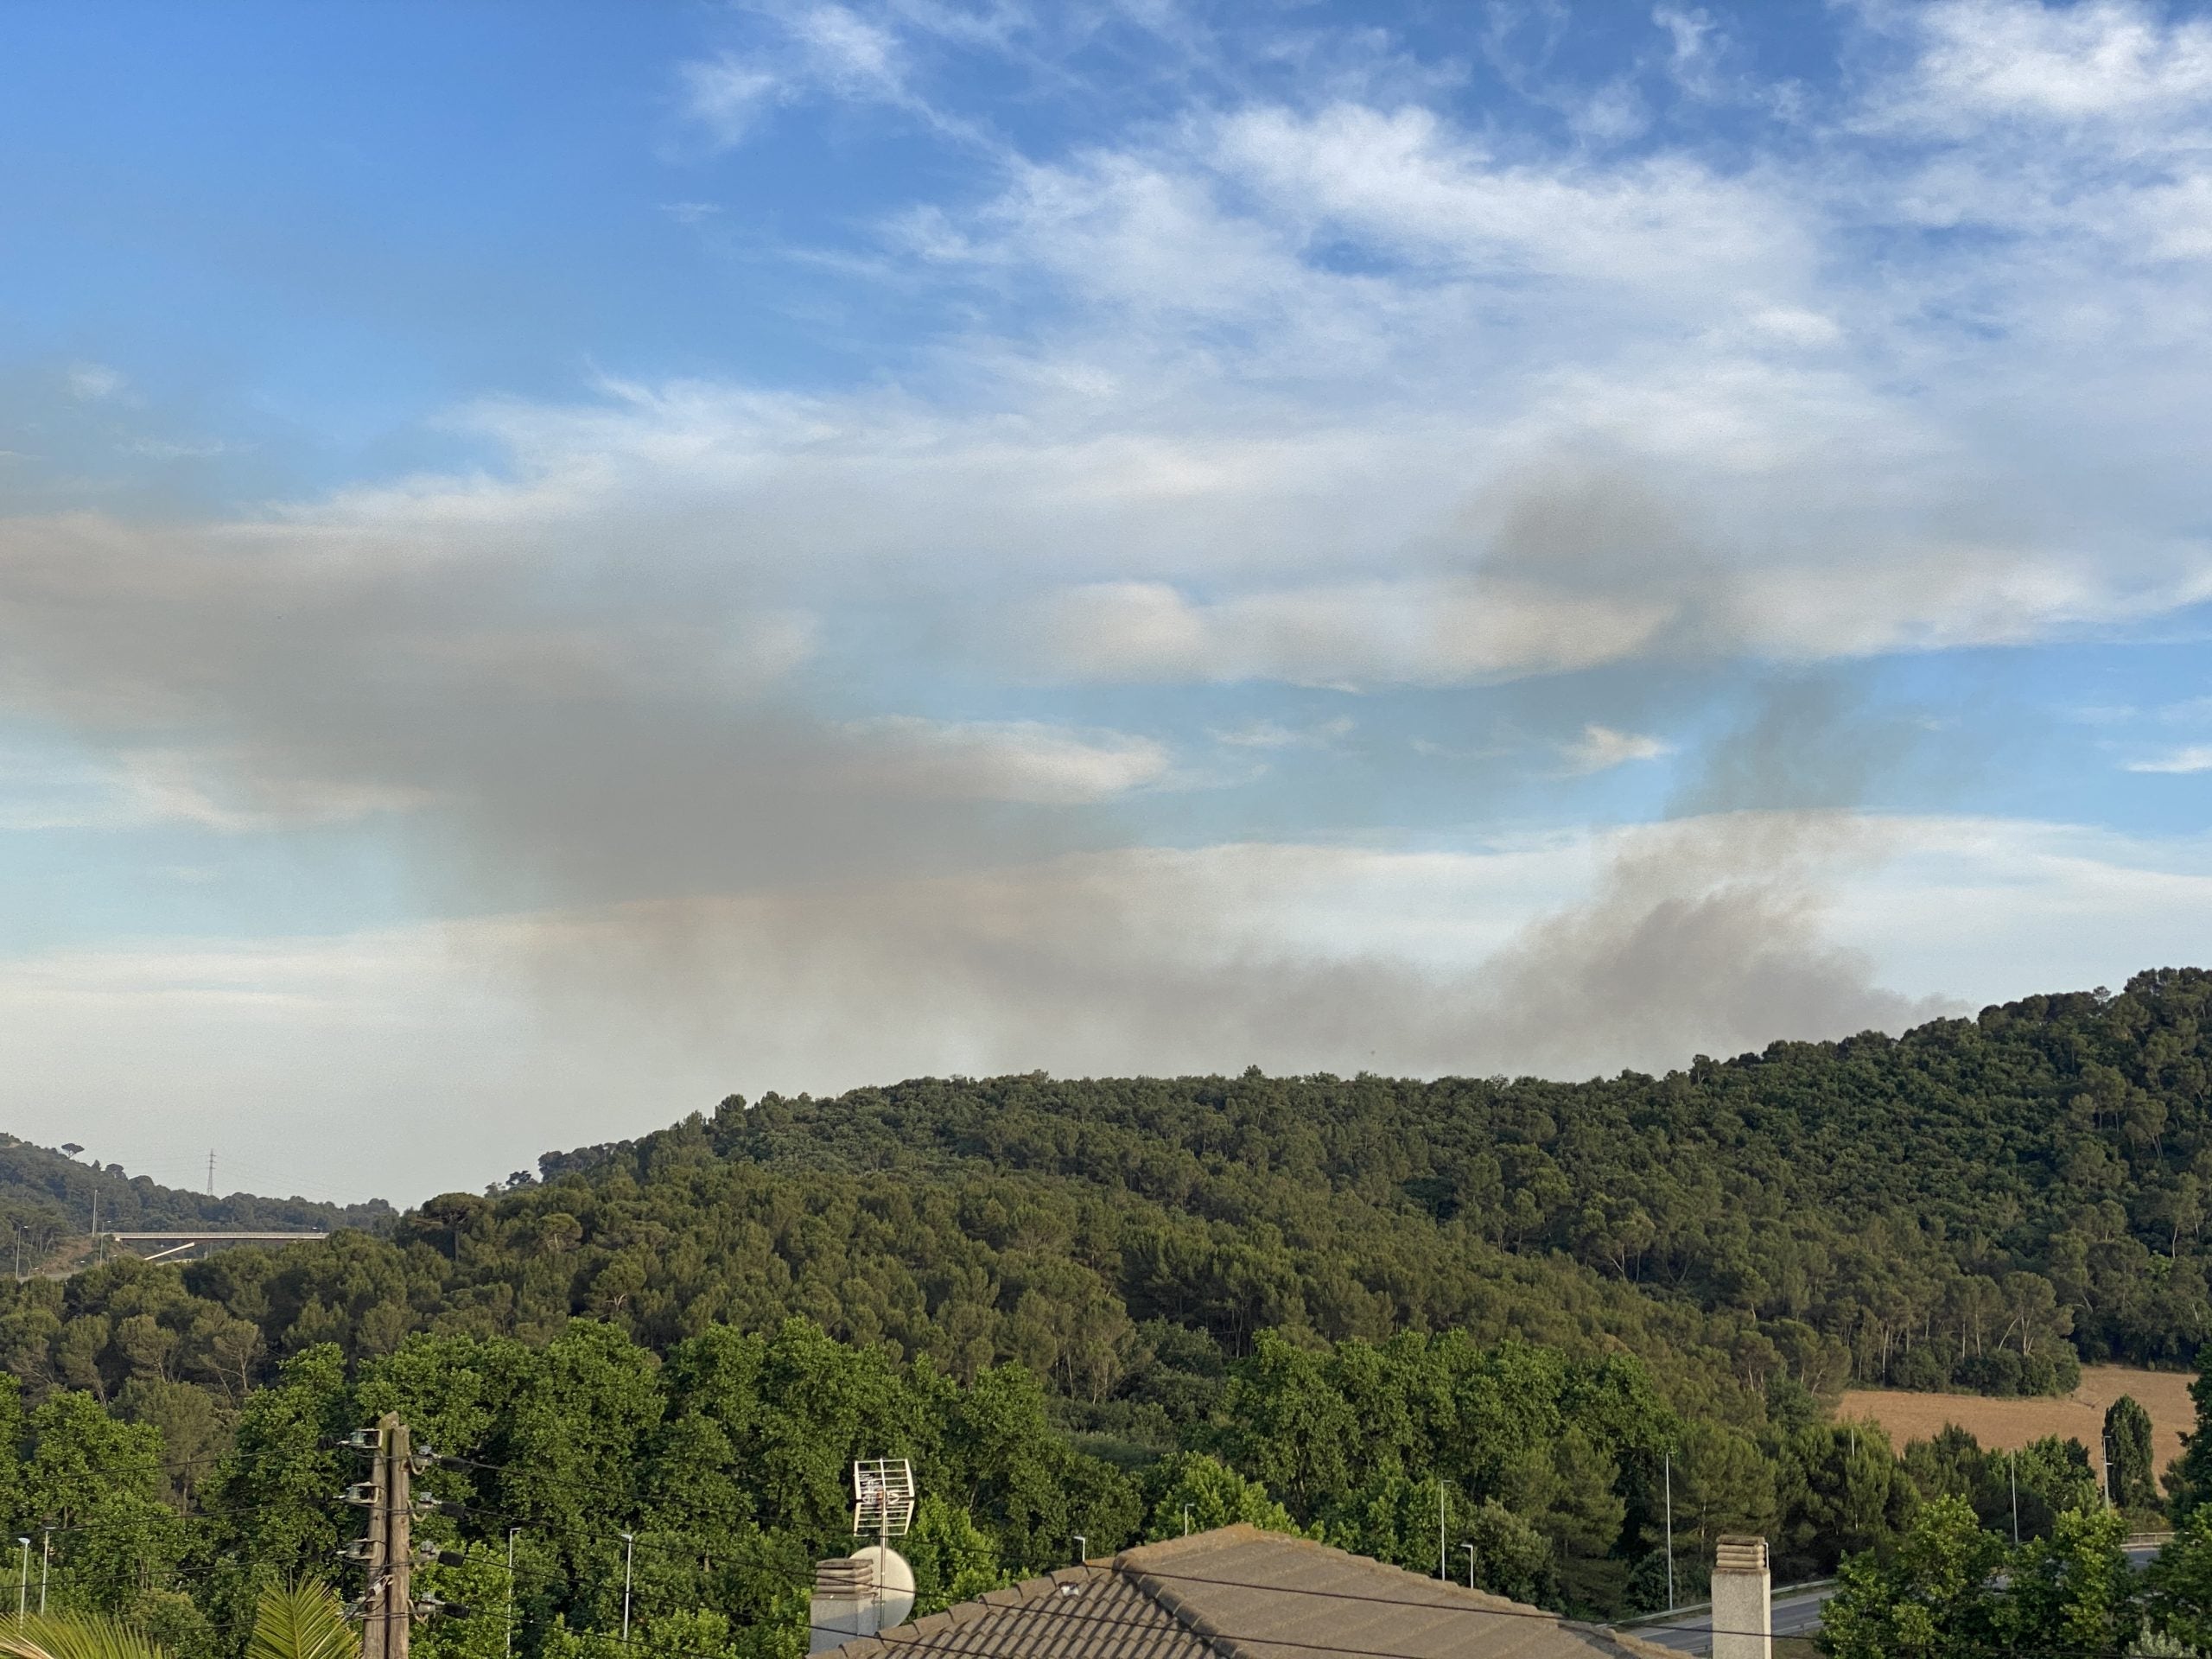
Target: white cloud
[92, 383]
[136, 788]
[727, 96]
[1445, 631]
[230, 794]
[2093, 59]
[1696, 44]
[1249, 460]
[1414, 631]
[2196, 757]
[177, 448]
[1226, 452]
[1024, 761]
[1273, 734]
[822, 50]
[851, 53]
[1663, 226]
[1601, 748]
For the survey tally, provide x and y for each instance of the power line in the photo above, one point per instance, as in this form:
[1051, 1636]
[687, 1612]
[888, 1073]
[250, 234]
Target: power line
[539, 1524]
[221, 1513]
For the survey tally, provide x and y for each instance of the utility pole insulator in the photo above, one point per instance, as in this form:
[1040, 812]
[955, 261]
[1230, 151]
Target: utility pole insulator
[389, 1606]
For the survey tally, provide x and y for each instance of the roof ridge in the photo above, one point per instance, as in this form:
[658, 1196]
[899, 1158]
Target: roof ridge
[1234, 1532]
[1160, 1588]
[1488, 1599]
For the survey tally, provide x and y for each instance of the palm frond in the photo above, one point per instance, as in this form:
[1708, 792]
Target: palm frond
[302, 1622]
[78, 1636]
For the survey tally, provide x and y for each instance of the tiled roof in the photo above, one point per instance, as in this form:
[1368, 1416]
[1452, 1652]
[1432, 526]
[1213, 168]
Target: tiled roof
[1238, 1593]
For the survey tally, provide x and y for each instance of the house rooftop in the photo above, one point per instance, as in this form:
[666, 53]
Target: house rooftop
[1238, 1593]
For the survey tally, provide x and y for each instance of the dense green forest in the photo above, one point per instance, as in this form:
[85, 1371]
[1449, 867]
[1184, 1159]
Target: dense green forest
[728, 1456]
[1974, 1204]
[1081, 1305]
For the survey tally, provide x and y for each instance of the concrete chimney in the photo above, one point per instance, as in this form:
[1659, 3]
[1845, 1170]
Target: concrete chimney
[1743, 1600]
[844, 1605]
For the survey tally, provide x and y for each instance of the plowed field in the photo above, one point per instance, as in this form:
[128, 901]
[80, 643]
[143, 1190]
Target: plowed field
[2005, 1424]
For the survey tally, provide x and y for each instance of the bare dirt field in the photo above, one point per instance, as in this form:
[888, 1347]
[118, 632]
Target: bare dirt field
[2005, 1424]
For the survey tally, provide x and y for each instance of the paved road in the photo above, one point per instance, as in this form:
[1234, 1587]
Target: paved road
[1797, 1613]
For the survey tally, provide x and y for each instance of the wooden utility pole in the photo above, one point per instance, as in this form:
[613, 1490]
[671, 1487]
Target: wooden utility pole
[389, 1604]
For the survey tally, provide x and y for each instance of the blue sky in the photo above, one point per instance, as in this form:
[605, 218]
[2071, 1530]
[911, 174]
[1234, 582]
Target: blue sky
[556, 564]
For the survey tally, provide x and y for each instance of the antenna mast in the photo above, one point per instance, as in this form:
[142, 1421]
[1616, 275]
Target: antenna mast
[883, 1501]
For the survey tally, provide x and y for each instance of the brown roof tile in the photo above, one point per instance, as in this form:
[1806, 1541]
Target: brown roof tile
[1238, 1593]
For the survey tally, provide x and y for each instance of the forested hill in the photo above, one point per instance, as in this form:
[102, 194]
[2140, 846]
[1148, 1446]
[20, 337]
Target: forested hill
[49, 1195]
[1951, 1205]
[1968, 1203]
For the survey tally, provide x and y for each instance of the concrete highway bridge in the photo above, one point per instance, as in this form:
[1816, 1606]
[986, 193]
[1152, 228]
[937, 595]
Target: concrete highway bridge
[182, 1245]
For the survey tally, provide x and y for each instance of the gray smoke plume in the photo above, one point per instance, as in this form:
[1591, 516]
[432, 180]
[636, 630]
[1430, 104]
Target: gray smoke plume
[1701, 934]
[634, 764]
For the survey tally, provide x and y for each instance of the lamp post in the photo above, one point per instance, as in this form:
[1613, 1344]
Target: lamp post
[2013, 1469]
[23, 1588]
[510, 1590]
[45, 1563]
[1470, 1548]
[629, 1555]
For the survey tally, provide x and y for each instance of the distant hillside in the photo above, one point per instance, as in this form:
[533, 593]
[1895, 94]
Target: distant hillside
[1971, 1205]
[50, 1196]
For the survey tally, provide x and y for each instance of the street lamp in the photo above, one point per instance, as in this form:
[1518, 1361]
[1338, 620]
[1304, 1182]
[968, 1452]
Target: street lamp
[629, 1555]
[510, 1590]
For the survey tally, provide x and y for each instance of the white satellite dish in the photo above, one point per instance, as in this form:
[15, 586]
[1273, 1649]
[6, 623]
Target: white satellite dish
[894, 1583]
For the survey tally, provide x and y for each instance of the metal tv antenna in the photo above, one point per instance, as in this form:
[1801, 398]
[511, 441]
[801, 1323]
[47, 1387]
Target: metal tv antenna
[883, 1498]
